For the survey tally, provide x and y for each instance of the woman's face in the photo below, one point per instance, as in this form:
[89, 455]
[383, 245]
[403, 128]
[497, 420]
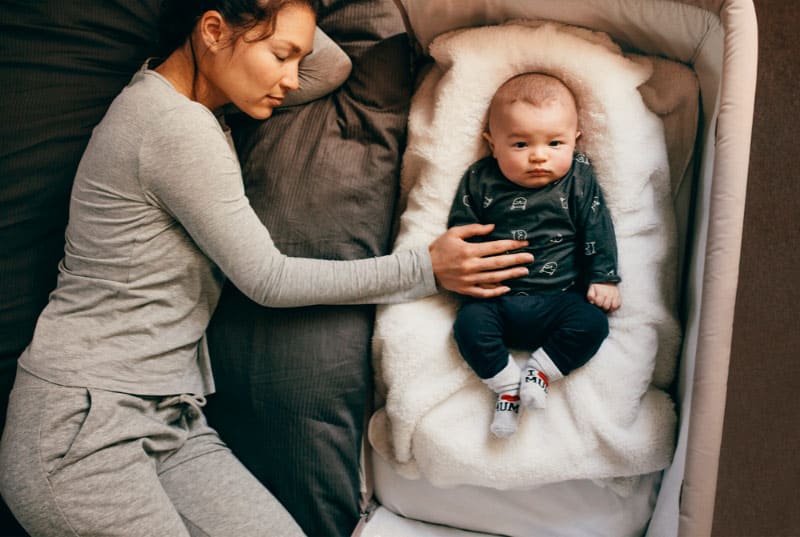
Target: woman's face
[255, 74]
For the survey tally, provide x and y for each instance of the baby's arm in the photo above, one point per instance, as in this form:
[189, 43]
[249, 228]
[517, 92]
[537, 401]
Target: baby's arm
[463, 210]
[600, 246]
[605, 296]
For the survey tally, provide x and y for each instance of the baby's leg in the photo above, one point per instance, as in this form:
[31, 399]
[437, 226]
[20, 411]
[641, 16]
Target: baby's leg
[577, 330]
[506, 408]
[478, 332]
[536, 376]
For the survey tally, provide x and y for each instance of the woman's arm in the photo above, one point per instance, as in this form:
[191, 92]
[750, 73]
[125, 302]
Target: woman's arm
[188, 169]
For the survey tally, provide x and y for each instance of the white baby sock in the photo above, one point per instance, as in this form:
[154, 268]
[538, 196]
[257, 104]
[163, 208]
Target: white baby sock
[535, 379]
[506, 409]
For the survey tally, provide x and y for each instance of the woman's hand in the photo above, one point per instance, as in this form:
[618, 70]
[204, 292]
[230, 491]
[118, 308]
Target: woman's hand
[476, 269]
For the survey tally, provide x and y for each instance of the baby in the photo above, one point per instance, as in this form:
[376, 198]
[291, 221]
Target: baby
[535, 187]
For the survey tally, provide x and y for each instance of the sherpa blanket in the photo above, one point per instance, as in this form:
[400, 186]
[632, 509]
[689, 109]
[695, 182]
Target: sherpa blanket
[612, 417]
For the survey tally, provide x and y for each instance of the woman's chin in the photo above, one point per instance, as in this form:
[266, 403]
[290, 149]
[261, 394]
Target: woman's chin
[258, 112]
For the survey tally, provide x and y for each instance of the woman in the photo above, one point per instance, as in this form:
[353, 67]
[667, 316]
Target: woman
[105, 432]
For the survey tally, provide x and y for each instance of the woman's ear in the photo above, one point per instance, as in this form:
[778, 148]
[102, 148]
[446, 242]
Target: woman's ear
[213, 29]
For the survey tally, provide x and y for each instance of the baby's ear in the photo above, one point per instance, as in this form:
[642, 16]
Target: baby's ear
[577, 135]
[488, 137]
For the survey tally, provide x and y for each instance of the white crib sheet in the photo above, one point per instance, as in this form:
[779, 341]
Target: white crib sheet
[578, 507]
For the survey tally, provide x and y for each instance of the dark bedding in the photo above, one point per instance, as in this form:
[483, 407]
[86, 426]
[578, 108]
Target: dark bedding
[61, 64]
[292, 384]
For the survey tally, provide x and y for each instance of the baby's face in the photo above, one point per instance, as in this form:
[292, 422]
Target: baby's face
[533, 145]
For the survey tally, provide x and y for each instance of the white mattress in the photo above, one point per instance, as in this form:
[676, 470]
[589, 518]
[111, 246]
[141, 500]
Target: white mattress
[565, 509]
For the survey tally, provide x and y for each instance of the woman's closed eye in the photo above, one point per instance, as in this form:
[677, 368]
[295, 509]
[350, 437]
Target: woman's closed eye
[281, 52]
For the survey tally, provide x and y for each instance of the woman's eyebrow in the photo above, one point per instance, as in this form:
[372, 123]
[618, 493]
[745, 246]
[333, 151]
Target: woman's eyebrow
[294, 47]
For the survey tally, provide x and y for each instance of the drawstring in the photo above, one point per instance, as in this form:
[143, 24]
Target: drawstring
[194, 403]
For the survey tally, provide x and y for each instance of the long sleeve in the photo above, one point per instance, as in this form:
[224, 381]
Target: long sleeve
[464, 210]
[203, 190]
[596, 231]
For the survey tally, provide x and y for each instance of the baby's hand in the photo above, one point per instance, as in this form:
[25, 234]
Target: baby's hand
[605, 296]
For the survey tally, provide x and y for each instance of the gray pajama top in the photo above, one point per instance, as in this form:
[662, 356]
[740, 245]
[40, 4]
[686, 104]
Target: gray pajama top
[158, 219]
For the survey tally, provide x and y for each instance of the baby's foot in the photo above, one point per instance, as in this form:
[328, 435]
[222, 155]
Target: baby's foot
[533, 387]
[506, 414]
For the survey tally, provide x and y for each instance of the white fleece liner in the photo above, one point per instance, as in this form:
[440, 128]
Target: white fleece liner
[611, 418]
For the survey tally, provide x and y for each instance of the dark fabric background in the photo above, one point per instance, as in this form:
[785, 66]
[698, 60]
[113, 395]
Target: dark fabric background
[758, 490]
[61, 64]
[292, 384]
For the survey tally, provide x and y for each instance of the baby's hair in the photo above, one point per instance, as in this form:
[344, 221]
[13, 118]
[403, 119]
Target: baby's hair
[538, 89]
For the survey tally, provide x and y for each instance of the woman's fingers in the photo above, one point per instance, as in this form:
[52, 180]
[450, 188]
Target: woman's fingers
[471, 230]
[494, 248]
[479, 291]
[466, 267]
[495, 276]
[497, 262]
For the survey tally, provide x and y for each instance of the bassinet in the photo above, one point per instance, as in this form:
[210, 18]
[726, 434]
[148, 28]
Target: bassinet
[718, 41]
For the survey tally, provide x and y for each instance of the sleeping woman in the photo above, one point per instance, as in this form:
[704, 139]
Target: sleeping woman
[105, 431]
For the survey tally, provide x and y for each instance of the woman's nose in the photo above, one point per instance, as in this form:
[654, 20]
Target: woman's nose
[290, 80]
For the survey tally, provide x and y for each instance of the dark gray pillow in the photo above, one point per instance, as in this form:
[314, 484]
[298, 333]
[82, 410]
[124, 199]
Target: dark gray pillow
[292, 384]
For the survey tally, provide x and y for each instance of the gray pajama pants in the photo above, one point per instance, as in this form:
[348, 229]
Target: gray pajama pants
[87, 462]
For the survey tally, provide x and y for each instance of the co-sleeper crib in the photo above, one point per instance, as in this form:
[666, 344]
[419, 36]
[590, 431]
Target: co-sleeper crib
[717, 40]
[323, 179]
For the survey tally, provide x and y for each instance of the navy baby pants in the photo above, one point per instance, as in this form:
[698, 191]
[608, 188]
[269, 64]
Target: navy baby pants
[565, 325]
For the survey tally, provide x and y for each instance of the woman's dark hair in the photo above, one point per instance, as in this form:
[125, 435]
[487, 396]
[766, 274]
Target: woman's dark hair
[179, 17]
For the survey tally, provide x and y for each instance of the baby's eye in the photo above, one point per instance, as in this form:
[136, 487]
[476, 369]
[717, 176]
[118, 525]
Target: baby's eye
[520, 145]
[556, 143]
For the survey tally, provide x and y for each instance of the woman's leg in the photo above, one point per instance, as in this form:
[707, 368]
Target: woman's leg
[72, 463]
[216, 495]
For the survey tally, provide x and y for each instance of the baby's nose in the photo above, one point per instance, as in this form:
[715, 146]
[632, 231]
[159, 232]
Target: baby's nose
[536, 155]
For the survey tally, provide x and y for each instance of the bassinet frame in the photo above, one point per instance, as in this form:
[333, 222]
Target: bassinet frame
[718, 39]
